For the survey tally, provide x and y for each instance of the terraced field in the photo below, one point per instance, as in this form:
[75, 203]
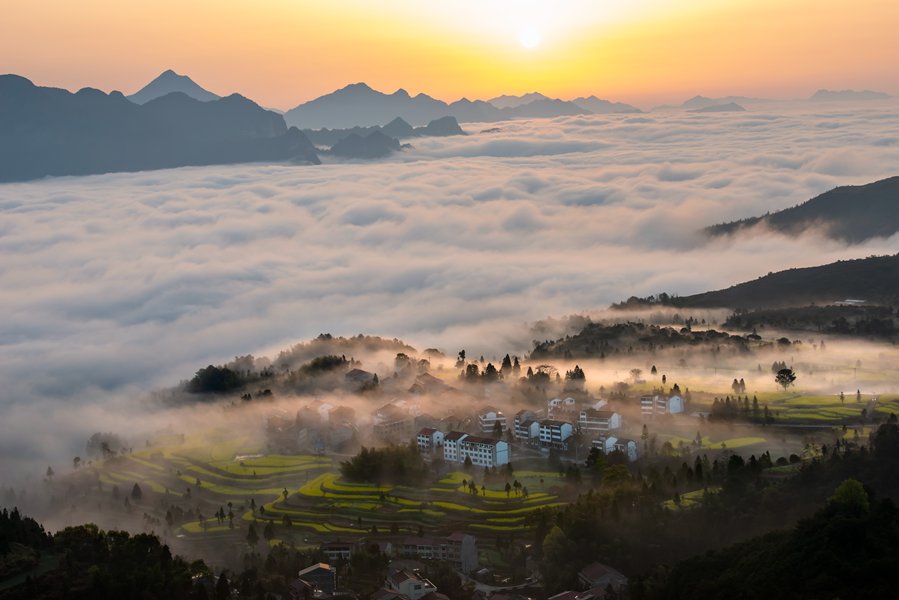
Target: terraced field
[303, 497]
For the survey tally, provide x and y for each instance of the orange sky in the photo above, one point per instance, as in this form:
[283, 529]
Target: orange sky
[283, 52]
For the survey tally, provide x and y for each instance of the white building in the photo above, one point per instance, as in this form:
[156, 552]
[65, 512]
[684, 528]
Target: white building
[483, 452]
[672, 405]
[430, 441]
[591, 421]
[651, 405]
[526, 428]
[560, 405]
[555, 434]
[451, 446]
[489, 417]
[613, 444]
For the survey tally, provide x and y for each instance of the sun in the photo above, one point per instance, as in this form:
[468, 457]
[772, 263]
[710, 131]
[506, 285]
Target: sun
[529, 37]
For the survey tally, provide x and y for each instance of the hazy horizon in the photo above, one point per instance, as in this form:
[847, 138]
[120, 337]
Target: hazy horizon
[646, 53]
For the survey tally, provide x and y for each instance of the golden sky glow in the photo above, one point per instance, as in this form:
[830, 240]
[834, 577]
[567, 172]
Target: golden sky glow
[283, 52]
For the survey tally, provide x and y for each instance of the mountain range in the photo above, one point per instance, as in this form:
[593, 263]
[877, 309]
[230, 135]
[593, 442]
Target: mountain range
[360, 105]
[372, 145]
[507, 101]
[848, 95]
[851, 214]
[49, 131]
[397, 129]
[715, 108]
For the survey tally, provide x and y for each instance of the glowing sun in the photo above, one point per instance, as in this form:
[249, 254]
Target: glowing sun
[529, 37]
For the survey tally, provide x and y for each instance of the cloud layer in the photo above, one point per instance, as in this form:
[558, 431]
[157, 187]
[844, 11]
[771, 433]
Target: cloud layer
[125, 282]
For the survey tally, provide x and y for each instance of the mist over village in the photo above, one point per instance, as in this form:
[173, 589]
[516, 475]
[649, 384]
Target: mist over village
[500, 300]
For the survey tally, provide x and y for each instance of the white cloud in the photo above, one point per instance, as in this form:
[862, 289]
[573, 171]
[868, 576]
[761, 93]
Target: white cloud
[125, 282]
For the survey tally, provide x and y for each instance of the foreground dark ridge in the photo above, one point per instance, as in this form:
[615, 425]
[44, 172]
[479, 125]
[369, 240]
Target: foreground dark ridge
[874, 280]
[850, 213]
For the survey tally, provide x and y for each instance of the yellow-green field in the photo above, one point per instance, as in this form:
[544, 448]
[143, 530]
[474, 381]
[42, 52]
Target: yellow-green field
[318, 504]
[788, 407]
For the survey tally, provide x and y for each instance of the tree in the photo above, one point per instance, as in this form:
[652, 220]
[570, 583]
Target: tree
[252, 536]
[222, 588]
[490, 372]
[851, 494]
[472, 372]
[785, 378]
[467, 464]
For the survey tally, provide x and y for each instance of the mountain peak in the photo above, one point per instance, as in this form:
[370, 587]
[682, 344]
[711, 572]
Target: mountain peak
[169, 81]
[358, 87]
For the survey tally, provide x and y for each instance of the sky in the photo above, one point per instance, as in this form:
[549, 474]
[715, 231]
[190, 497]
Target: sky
[283, 52]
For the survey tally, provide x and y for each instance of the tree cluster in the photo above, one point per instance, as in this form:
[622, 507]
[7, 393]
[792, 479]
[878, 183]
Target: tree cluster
[398, 464]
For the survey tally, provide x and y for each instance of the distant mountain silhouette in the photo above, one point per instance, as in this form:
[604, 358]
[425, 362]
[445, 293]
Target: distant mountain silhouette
[358, 105]
[849, 213]
[847, 95]
[873, 279]
[604, 107]
[48, 131]
[442, 127]
[475, 111]
[505, 101]
[717, 108]
[398, 129]
[169, 82]
[698, 102]
[373, 145]
[544, 108]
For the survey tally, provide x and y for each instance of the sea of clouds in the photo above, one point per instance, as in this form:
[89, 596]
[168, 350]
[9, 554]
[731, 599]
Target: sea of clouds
[116, 284]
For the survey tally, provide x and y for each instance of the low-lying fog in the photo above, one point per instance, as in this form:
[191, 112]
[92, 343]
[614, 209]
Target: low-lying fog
[114, 285]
